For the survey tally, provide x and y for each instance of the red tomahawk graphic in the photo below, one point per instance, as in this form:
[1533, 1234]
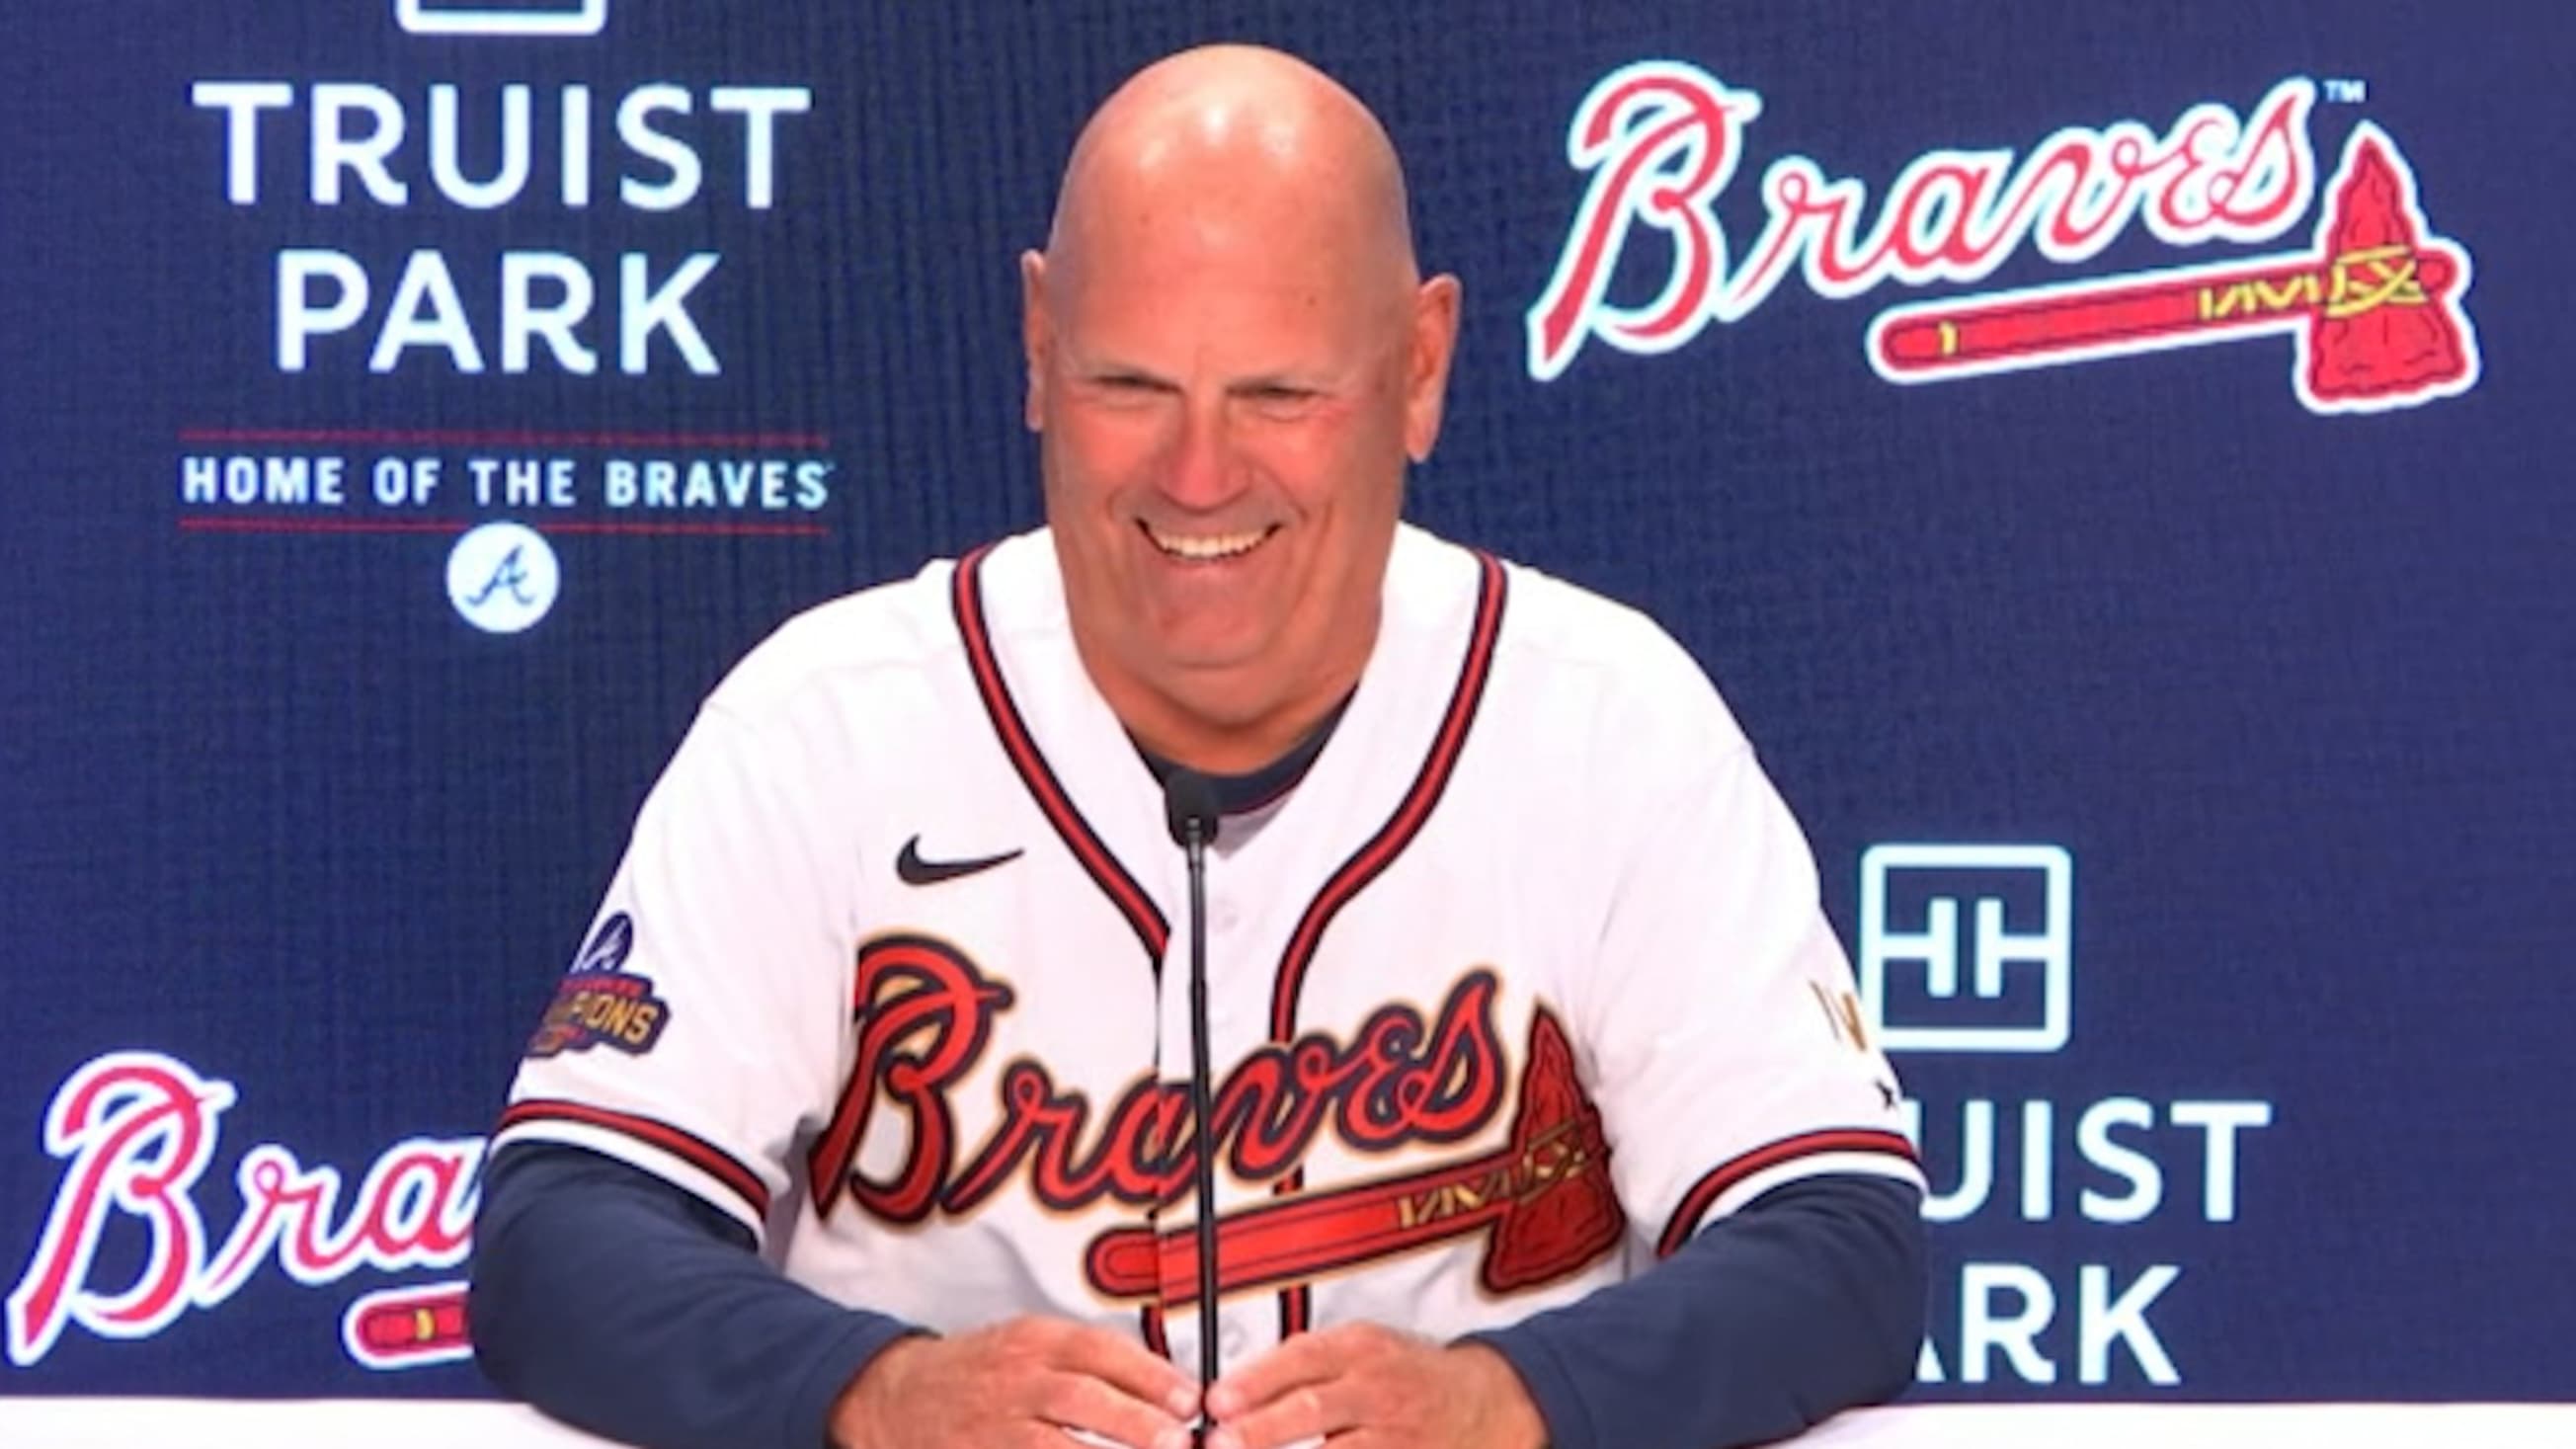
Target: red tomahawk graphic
[1545, 1196]
[2374, 308]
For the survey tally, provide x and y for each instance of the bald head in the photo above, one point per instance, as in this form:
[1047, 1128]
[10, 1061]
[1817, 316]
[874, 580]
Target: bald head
[1231, 359]
[1237, 142]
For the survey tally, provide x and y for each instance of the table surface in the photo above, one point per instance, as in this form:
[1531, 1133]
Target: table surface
[99, 1423]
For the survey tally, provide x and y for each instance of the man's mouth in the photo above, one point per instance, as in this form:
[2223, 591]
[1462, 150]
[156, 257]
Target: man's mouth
[1206, 547]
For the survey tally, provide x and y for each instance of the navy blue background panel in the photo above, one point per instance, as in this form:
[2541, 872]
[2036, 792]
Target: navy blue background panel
[2182, 738]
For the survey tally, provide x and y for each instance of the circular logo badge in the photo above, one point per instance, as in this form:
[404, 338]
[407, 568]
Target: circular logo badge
[607, 948]
[502, 577]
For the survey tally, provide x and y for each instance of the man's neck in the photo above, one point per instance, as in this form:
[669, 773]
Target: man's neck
[1199, 727]
[1244, 792]
[1165, 729]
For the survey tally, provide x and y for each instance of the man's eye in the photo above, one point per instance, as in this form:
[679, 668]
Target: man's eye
[1281, 394]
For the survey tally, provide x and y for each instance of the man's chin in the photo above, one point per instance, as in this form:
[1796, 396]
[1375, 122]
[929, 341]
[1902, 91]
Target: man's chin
[1196, 671]
[1223, 686]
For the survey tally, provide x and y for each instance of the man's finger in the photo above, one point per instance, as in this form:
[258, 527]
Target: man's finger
[1308, 1411]
[1308, 1358]
[1129, 1366]
[1079, 1401]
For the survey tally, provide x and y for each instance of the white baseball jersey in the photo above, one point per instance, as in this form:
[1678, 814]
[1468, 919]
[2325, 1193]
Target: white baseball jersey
[1524, 982]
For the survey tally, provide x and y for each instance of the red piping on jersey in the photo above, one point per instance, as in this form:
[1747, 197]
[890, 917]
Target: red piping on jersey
[1708, 1189]
[966, 597]
[1296, 1309]
[696, 1151]
[1143, 916]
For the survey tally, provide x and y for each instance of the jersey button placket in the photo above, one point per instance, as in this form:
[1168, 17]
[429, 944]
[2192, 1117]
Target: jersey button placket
[1225, 939]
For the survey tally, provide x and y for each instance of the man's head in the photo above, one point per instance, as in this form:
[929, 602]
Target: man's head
[1231, 356]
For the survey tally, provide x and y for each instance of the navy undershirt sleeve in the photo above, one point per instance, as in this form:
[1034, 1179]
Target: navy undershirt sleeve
[622, 1304]
[626, 1306]
[1806, 1301]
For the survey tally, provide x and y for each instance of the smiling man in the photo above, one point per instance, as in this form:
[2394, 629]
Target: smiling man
[1543, 1113]
[1231, 357]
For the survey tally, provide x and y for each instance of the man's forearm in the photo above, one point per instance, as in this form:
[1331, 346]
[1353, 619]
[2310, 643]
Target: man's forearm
[621, 1304]
[1807, 1301]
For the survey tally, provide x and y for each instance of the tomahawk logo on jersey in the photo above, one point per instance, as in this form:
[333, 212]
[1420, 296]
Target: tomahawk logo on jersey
[1517, 988]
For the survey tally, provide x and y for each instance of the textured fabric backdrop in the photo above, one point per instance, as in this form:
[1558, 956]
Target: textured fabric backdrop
[2235, 677]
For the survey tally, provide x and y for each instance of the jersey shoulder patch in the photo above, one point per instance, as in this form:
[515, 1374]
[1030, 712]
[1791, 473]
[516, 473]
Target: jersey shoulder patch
[600, 1003]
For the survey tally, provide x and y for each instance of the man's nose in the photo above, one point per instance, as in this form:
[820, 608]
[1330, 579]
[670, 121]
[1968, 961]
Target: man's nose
[1202, 473]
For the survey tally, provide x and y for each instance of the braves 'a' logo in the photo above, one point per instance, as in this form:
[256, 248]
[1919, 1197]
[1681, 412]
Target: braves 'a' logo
[926, 1015]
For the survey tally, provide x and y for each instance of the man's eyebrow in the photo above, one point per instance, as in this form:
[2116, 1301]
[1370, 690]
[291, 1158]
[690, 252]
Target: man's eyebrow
[1107, 369]
[1275, 382]
[1112, 370]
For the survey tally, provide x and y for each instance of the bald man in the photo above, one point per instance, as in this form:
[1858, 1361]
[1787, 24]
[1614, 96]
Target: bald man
[780, 1219]
[1228, 343]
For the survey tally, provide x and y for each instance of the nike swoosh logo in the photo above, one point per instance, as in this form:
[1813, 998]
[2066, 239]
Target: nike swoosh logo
[916, 871]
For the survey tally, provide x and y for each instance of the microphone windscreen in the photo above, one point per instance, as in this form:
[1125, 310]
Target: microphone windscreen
[1189, 799]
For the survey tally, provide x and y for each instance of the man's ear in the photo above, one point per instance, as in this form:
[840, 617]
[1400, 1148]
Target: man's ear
[1037, 336]
[1426, 376]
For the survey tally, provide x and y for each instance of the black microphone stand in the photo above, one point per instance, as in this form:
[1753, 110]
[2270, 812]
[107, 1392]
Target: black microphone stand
[1190, 806]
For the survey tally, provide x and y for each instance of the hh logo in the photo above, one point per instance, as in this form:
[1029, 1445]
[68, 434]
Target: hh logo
[1912, 940]
[500, 17]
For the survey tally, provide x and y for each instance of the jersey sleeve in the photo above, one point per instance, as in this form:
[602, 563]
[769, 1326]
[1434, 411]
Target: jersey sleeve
[1727, 1043]
[698, 1030]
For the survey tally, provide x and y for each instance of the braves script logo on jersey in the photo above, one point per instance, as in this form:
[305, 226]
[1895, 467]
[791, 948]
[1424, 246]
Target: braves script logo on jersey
[927, 1014]
[2372, 307]
[598, 1004]
[136, 1130]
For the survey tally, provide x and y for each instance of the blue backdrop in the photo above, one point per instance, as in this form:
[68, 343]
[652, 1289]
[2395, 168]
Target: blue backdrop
[2184, 751]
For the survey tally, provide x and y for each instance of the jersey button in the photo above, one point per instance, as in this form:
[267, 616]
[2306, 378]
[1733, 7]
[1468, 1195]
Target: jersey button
[1230, 1341]
[1224, 915]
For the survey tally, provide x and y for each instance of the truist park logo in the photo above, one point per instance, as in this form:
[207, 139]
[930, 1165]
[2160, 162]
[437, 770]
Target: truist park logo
[2371, 303]
[416, 230]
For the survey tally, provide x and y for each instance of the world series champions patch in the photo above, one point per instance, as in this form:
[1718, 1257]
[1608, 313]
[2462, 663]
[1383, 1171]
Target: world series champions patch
[599, 1004]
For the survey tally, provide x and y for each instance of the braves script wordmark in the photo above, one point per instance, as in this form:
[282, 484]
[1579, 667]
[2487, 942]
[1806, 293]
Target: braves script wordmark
[2374, 308]
[926, 1014]
[136, 1130]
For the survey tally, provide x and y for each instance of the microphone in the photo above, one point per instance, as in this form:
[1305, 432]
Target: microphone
[1189, 808]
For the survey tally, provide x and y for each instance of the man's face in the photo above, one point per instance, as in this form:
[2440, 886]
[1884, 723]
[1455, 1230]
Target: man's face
[1226, 411]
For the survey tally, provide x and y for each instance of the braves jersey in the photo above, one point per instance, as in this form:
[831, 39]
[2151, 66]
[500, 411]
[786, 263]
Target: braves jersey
[1524, 981]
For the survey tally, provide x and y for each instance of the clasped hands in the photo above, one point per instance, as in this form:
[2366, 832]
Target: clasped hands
[1023, 1383]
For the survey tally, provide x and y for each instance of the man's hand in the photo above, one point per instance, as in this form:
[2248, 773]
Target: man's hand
[1019, 1384]
[1370, 1387]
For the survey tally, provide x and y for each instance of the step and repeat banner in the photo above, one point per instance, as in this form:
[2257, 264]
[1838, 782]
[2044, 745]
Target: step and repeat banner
[2114, 459]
